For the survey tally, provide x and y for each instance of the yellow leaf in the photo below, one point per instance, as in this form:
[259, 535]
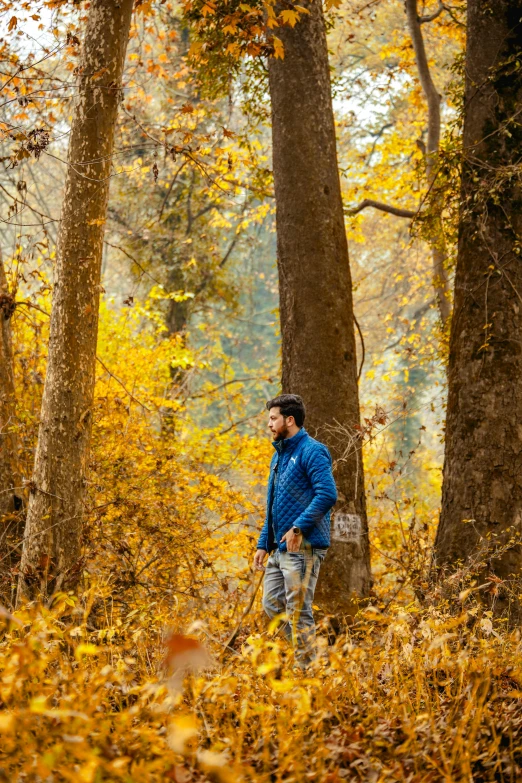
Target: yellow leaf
[181, 731]
[38, 704]
[234, 49]
[88, 771]
[282, 686]
[289, 17]
[85, 649]
[195, 49]
[279, 50]
[266, 668]
[6, 722]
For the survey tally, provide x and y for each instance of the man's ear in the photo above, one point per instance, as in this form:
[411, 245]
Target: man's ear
[290, 420]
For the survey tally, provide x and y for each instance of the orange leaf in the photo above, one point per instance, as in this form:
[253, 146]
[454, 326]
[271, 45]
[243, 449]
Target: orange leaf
[289, 17]
[279, 51]
[185, 652]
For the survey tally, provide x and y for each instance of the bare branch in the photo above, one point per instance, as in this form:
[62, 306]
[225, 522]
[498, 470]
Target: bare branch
[115, 377]
[223, 385]
[370, 202]
[134, 261]
[237, 423]
[171, 186]
[363, 349]
[229, 251]
[376, 137]
[434, 15]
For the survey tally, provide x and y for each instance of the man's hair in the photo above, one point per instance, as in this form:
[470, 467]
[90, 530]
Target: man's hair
[289, 405]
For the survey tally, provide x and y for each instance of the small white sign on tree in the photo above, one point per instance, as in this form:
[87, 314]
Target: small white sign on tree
[346, 527]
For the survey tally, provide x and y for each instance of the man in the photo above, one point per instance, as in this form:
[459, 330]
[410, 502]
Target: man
[296, 532]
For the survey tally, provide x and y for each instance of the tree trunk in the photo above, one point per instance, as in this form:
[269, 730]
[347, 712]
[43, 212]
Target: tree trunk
[437, 242]
[316, 309]
[482, 484]
[51, 552]
[10, 491]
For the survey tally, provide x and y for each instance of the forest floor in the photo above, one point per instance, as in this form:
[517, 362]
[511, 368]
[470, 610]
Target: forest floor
[407, 695]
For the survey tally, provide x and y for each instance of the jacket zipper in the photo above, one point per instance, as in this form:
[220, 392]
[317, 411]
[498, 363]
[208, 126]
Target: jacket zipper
[274, 490]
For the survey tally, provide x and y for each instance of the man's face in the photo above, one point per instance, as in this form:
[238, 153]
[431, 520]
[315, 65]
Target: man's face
[277, 424]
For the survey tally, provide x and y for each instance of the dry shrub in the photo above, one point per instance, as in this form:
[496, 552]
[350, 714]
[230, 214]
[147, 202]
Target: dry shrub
[92, 689]
[409, 696]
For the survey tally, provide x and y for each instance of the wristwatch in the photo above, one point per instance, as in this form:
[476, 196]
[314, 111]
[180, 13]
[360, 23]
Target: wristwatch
[296, 531]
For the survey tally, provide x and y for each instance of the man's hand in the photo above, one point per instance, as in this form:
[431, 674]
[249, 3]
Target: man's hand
[258, 559]
[293, 542]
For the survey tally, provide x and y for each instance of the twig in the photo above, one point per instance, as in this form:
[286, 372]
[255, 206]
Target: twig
[222, 386]
[237, 423]
[134, 261]
[8, 616]
[235, 634]
[135, 399]
[362, 348]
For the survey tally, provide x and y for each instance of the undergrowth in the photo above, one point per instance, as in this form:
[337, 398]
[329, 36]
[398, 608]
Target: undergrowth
[408, 695]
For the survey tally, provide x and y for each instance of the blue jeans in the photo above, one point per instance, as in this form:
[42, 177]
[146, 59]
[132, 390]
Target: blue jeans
[289, 586]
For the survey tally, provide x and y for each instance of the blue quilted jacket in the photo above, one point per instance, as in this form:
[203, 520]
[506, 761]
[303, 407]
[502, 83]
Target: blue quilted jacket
[304, 492]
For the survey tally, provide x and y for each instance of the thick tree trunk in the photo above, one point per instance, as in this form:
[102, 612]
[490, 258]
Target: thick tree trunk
[10, 491]
[482, 485]
[316, 310]
[51, 552]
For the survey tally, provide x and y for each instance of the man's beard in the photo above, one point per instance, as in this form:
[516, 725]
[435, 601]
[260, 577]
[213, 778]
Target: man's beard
[282, 434]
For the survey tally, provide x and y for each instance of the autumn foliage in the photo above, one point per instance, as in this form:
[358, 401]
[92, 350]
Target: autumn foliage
[155, 662]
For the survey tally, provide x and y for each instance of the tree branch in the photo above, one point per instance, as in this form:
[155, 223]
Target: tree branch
[237, 423]
[363, 350]
[134, 261]
[223, 385]
[437, 242]
[370, 202]
[434, 15]
[115, 377]
[427, 84]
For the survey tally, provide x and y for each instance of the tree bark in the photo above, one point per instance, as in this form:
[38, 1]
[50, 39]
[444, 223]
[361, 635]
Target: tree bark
[482, 482]
[52, 543]
[10, 490]
[316, 308]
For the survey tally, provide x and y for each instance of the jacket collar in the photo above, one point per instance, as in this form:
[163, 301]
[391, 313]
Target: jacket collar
[289, 444]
